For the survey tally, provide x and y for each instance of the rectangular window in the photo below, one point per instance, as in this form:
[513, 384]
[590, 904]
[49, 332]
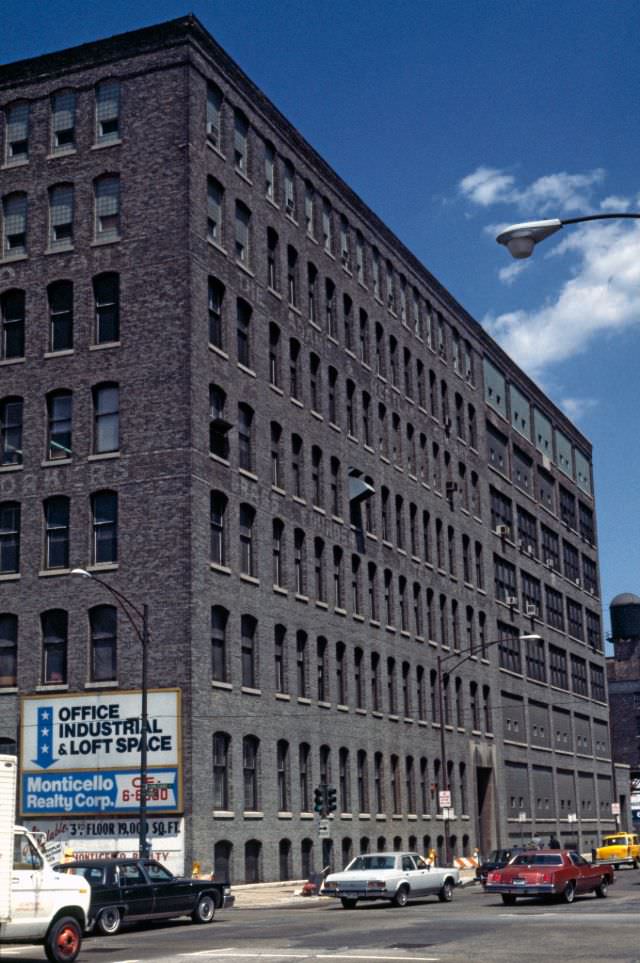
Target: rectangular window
[106, 291]
[214, 114]
[57, 532]
[54, 646]
[60, 296]
[9, 537]
[558, 667]
[241, 143]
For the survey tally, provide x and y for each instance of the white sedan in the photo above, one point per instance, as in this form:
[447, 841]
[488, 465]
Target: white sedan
[396, 877]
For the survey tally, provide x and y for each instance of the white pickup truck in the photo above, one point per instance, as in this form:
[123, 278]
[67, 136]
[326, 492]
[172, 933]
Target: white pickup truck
[397, 877]
[37, 905]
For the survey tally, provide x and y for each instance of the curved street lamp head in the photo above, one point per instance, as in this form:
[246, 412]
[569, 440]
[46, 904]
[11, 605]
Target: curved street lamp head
[520, 239]
[81, 571]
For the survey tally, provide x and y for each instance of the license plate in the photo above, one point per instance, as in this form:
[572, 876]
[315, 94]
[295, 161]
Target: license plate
[519, 882]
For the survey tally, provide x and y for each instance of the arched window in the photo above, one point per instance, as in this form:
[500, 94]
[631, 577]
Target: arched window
[250, 758]
[104, 511]
[106, 293]
[8, 651]
[107, 207]
[103, 624]
[12, 317]
[14, 224]
[9, 537]
[56, 515]
[219, 655]
[284, 859]
[11, 431]
[54, 646]
[248, 651]
[107, 111]
[59, 434]
[283, 775]
[60, 297]
[106, 418]
[61, 217]
[218, 551]
[221, 773]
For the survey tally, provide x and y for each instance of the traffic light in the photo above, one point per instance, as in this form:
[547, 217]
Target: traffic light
[320, 800]
[332, 803]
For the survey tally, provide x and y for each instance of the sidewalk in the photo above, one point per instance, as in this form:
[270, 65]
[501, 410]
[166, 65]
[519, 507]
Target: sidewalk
[280, 895]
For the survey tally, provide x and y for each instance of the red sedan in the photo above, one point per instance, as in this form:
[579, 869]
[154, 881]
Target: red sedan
[549, 872]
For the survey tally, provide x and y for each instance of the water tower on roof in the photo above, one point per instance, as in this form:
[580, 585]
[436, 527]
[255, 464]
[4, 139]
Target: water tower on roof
[625, 617]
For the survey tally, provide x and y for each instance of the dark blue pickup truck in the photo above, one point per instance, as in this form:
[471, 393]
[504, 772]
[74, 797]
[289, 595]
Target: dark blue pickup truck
[132, 890]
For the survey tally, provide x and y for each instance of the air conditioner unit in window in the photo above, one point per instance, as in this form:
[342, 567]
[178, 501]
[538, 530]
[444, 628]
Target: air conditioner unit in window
[592, 591]
[578, 582]
[502, 530]
[289, 206]
[511, 600]
[549, 562]
[531, 610]
[546, 462]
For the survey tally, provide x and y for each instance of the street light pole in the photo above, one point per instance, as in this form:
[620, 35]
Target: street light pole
[468, 654]
[127, 606]
[520, 239]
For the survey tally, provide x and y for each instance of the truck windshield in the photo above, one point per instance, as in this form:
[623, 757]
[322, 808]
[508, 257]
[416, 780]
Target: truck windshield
[614, 841]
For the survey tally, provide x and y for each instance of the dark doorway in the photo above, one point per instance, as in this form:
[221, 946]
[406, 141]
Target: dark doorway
[486, 821]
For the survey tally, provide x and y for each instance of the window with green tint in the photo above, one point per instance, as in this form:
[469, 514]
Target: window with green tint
[520, 412]
[495, 388]
[564, 458]
[542, 432]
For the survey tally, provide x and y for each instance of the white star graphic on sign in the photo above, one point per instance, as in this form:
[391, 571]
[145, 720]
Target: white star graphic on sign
[44, 749]
[45, 714]
[44, 731]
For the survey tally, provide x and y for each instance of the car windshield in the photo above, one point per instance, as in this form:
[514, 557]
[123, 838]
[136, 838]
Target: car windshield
[614, 841]
[371, 862]
[537, 859]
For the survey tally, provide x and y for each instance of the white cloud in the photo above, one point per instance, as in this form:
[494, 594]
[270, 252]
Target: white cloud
[486, 186]
[559, 193]
[577, 408]
[615, 203]
[508, 274]
[602, 296]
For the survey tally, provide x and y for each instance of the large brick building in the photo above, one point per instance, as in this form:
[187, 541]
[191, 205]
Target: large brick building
[229, 390]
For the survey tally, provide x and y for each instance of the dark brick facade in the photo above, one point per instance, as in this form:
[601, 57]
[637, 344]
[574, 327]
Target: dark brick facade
[445, 450]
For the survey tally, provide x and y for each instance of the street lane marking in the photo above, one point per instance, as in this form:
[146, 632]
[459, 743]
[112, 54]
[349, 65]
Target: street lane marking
[352, 956]
[201, 953]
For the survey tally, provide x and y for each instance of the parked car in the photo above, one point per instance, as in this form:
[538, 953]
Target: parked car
[495, 860]
[396, 877]
[129, 890]
[547, 872]
[620, 849]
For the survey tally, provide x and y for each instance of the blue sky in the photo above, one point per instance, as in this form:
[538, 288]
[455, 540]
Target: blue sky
[451, 118]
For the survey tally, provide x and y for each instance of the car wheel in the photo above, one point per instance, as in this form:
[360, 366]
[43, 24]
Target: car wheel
[348, 903]
[205, 909]
[508, 899]
[602, 889]
[401, 897]
[108, 923]
[62, 943]
[635, 864]
[569, 893]
[446, 892]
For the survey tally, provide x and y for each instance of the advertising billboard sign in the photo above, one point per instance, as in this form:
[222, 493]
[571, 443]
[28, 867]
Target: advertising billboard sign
[80, 753]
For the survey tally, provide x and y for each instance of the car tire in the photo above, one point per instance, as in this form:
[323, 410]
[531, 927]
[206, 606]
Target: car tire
[602, 888]
[205, 909]
[635, 864]
[569, 893]
[508, 899]
[109, 921]
[348, 903]
[62, 942]
[445, 894]
[401, 897]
